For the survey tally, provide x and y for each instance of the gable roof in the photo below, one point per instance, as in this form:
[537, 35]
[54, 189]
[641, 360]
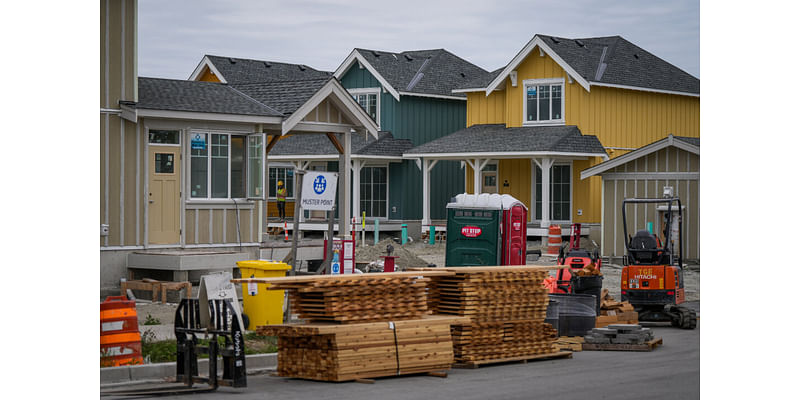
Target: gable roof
[418, 72]
[498, 141]
[241, 70]
[319, 146]
[193, 96]
[284, 96]
[690, 144]
[604, 61]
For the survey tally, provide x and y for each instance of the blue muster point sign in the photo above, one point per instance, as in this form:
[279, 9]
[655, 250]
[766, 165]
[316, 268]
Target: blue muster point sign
[319, 191]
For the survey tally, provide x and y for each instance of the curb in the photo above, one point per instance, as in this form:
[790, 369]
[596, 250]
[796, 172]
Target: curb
[116, 376]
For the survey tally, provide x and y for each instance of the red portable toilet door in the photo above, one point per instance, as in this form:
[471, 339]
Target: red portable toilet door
[515, 236]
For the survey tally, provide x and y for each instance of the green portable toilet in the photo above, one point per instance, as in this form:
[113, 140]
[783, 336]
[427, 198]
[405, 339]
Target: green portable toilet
[473, 230]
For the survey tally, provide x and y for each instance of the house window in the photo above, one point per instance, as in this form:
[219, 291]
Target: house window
[560, 199]
[369, 100]
[285, 174]
[374, 191]
[224, 166]
[544, 101]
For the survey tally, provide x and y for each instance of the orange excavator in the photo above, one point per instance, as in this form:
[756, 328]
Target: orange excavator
[652, 272]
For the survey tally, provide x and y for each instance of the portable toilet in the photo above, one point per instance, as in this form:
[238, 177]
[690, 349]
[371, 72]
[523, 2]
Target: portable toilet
[473, 230]
[514, 231]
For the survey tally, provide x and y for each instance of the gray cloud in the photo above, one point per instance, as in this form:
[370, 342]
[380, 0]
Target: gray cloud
[174, 35]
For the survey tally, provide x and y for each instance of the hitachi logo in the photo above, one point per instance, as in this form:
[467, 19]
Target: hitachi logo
[645, 277]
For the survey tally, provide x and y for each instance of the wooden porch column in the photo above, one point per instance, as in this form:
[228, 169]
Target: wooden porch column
[344, 185]
[427, 167]
[477, 167]
[545, 166]
[357, 165]
[300, 166]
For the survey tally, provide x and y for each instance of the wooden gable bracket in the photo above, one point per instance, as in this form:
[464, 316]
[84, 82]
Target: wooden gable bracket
[541, 52]
[569, 78]
[513, 77]
[272, 142]
[335, 142]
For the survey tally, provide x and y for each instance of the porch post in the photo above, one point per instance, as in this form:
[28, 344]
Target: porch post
[427, 167]
[357, 164]
[344, 186]
[476, 176]
[546, 164]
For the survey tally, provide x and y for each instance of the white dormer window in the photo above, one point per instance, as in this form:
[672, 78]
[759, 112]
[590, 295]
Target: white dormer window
[543, 103]
[369, 99]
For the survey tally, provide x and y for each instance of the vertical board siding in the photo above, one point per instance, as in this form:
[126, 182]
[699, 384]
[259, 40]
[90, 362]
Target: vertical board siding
[204, 219]
[132, 164]
[103, 188]
[114, 183]
[190, 226]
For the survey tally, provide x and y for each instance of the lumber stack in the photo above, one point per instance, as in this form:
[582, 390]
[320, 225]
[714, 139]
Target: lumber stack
[354, 298]
[615, 312]
[336, 352]
[506, 306]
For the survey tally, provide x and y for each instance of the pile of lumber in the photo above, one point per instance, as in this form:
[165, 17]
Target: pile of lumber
[570, 343]
[336, 352]
[615, 312]
[354, 298]
[506, 307]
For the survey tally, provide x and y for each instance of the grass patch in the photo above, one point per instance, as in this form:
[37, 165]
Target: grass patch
[166, 350]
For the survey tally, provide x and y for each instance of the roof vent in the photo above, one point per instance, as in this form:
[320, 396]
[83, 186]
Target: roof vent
[231, 60]
[554, 40]
[408, 57]
[302, 67]
[636, 56]
[267, 64]
[579, 43]
[375, 53]
[463, 75]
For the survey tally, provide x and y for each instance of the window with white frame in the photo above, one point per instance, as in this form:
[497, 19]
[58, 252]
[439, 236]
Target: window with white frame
[544, 101]
[282, 174]
[560, 194]
[374, 191]
[225, 166]
[369, 100]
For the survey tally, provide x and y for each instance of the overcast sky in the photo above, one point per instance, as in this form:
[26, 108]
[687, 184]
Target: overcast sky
[174, 35]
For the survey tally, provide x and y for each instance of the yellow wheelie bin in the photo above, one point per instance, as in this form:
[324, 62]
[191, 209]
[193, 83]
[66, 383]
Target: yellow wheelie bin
[262, 306]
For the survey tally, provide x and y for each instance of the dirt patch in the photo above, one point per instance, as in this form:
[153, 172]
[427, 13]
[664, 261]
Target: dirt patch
[406, 255]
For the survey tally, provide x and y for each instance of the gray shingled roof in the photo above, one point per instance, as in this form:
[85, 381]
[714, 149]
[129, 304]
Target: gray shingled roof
[423, 71]
[208, 97]
[694, 141]
[285, 96]
[320, 145]
[240, 70]
[496, 138]
[624, 63]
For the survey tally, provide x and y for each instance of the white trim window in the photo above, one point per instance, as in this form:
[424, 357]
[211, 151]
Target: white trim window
[370, 100]
[543, 101]
[374, 188]
[284, 174]
[226, 166]
[560, 193]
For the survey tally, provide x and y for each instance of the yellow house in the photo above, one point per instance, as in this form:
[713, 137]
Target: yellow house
[558, 107]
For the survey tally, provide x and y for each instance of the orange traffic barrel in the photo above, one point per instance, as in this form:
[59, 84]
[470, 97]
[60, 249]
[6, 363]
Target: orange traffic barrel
[120, 342]
[554, 240]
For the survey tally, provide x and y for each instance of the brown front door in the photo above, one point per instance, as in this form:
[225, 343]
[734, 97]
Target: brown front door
[163, 197]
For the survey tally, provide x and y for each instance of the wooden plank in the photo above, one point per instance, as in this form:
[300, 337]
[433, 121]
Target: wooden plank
[476, 364]
[348, 277]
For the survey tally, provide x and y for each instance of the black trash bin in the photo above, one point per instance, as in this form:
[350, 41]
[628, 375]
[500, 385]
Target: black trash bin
[589, 285]
[576, 313]
[552, 314]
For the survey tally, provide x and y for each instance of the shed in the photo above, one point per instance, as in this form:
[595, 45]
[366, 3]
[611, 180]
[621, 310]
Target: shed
[643, 173]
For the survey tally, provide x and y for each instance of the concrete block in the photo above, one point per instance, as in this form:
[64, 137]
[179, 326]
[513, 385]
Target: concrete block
[152, 371]
[115, 374]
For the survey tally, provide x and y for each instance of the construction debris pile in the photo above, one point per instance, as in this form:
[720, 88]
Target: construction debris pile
[619, 334]
[506, 307]
[615, 312]
[360, 326]
[589, 270]
[373, 256]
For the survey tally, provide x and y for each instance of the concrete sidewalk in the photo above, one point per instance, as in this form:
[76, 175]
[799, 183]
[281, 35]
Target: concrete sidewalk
[148, 373]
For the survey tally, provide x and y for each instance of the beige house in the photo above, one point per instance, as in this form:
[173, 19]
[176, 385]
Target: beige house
[643, 173]
[183, 163]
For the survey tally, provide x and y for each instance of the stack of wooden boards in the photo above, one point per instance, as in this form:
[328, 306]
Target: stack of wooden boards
[329, 352]
[360, 326]
[615, 312]
[506, 307]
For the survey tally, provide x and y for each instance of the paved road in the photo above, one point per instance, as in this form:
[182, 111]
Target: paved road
[670, 372]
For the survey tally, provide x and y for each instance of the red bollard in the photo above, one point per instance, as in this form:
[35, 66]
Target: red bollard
[388, 263]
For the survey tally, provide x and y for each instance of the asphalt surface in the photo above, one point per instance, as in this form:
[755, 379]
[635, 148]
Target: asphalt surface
[670, 371]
